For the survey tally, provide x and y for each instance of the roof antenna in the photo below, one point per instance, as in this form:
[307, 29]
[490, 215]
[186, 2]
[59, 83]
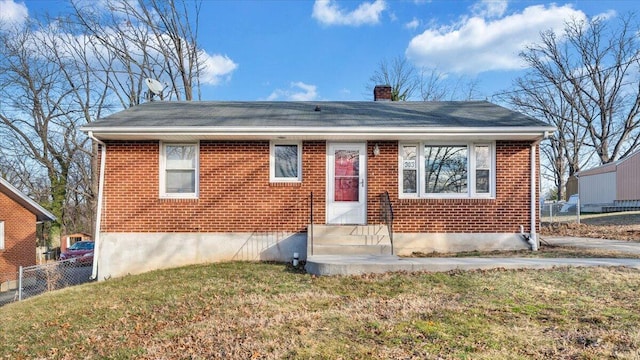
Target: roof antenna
[155, 88]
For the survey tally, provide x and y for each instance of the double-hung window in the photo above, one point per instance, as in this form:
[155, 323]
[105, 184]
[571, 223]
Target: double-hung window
[451, 170]
[179, 170]
[285, 162]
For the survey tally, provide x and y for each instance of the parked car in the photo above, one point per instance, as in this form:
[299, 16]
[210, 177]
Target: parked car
[80, 253]
[570, 205]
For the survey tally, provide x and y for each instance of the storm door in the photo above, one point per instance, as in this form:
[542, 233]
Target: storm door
[347, 183]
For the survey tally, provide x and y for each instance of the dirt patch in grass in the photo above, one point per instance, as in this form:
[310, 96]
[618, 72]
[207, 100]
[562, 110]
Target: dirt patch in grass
[614, 226]
[264, 311]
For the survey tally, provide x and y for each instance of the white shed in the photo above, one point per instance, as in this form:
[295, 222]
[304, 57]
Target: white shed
[610, 187]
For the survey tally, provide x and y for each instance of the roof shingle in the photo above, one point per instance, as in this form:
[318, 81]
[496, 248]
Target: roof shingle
[459, 114]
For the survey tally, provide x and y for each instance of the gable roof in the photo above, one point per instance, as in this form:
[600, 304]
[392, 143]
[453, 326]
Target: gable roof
[16, 195]
[610, 167]
[314, 120]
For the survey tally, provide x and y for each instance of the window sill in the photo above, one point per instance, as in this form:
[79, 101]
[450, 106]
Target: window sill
[285, 183]
[178, 199]
[448, 200]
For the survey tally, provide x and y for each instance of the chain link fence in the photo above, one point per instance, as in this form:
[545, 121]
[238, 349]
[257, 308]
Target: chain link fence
[559, 212]
[35, 280]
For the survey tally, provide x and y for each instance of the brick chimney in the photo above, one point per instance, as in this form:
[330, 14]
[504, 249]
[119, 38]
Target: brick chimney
[382, 93]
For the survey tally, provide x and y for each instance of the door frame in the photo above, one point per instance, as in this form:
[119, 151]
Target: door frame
[333, 206]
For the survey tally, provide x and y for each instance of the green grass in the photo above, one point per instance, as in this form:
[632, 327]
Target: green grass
[260, 310]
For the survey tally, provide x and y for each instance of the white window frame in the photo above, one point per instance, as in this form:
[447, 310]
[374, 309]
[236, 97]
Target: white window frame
[401, 169]
[471, 171]
[474, 170]
[2, 235]
[272, 162]
[163, 172]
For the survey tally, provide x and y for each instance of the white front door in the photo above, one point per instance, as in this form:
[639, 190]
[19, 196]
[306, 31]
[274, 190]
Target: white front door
[347, 183]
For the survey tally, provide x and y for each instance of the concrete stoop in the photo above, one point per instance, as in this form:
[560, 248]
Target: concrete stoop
[350, 240]
[330, 265]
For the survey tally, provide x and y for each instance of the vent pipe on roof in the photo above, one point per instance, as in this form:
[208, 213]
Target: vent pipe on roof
[382, 93]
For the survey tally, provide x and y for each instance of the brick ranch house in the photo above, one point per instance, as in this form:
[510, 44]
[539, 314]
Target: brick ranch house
[191, 182]
[18, 218]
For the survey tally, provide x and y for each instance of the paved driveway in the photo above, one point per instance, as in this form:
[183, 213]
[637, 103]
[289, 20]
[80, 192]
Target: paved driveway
[591, 243]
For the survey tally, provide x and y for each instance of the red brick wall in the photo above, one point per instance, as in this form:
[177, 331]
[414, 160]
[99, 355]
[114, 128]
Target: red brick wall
[236, 195]
[19, 236]
[235, 192]
[382, 92]
[505, 213]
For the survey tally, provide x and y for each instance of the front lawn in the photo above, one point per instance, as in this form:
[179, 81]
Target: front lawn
[258, 310]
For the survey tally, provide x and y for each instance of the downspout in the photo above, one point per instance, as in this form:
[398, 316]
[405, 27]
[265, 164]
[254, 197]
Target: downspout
[533, 237]
[96, 236]
[579, 203]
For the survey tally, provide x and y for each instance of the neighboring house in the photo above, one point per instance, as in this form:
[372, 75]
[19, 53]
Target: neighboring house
[18, 218]
[611, 187]
[188, 182]
[70, 239]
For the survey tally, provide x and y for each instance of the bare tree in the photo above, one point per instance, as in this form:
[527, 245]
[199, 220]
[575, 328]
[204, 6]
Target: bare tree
[437, 86]
[146, 39]
[585, 83]
[34, 112]
[563, 153]
[399, 74]
[60, 74]
[407, 82]
[47, 91]
[595, 70]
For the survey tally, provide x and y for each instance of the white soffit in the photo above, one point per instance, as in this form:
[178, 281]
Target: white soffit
[402, 134]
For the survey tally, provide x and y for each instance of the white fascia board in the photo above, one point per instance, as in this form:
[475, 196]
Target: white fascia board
[26, 202]
[320, 133]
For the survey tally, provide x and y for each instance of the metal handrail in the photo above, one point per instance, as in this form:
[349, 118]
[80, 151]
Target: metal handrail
[386, 215]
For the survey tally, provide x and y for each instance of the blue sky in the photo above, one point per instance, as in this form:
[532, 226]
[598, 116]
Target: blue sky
[328, 49]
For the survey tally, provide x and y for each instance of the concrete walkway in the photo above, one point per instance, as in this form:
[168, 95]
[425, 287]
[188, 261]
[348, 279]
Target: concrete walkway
[591, 243]
[366, 264]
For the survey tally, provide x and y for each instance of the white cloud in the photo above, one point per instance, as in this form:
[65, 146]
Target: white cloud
[298, 91]
[12, 13]
[328, 12]
[216, 68]
[476, 45]
[393, 17]
[413, 24]
[489, 8]
[609, 14]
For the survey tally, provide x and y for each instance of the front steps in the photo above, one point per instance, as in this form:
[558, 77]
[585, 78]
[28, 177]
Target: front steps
[349, 240]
